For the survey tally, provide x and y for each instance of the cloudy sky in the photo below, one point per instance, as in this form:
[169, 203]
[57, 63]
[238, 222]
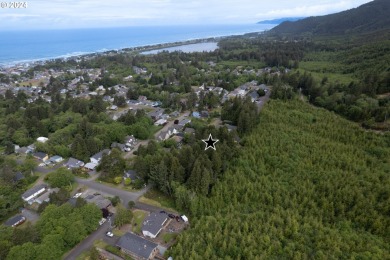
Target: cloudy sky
[59, 14]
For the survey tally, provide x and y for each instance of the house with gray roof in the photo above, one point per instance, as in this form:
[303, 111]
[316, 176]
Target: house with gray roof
[121, 147]
[73, 163]
[34, 192]
[98, 200]
[153, 224]
[15, 221]
[137, 247]
[97, 157]
[131, 174]
[56, 159]
[41, 156]
[184, 121]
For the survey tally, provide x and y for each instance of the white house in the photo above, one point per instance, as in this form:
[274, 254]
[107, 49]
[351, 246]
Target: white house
[30, 195]
[97, 157]
[42, 139]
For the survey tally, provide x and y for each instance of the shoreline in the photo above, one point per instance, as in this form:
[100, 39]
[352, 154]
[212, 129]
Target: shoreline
[26, 64]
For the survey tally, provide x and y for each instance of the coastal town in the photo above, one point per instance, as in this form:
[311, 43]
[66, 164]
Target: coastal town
[153, 227]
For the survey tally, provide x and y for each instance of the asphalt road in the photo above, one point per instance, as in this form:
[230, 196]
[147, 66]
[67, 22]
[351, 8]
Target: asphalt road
[125, 196]
[87, 243]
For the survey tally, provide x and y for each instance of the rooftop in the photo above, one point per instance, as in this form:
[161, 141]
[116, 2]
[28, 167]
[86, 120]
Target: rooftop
[154, 222]
[137, 245]
[33, 190]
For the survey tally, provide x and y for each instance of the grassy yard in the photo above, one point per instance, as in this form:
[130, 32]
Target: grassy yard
[117, 186]
[85, 255]
[168, 237]
[332, 77]
[118, 232]
[158, 199]
[100, 244]
[138, 218]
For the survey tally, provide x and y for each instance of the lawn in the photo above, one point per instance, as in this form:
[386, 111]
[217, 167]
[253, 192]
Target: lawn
[100, 243]
[84, 255]
[158, 199]
[138, 218]
[168, 237]
[332, 77]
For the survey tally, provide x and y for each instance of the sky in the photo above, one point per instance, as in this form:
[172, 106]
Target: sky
[62, 14]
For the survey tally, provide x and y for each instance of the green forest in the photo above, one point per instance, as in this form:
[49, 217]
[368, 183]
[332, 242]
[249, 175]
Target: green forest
[307, 184]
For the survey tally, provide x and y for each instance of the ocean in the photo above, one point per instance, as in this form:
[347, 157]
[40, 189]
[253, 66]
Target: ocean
[27, 46]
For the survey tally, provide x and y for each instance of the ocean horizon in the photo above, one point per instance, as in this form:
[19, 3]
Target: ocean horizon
[29, 46]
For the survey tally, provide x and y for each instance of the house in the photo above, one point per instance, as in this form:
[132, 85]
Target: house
[163, 136]
[15, 221]
[130, 139]
[253, 95]
[175, 114]
[22, 150]
[174, 130]
[196, 114]
[137, 247]
[153, 224]
[18, 177]
[121, 147]
[73, 163]
[41, 156]
[156, 104]
[130, 174]
[31, 148]
[160, 122]
[90, 166]
[56, 159]
[177, 139]
[156, 115]
[42, 139]
[97, 157]
[45, 197]
[113, 107]
[98, 200]
[204, 113]
[184, 122]
[189, 130]
[34, 192]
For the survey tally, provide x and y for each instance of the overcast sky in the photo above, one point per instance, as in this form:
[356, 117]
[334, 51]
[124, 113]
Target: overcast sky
[53, 14]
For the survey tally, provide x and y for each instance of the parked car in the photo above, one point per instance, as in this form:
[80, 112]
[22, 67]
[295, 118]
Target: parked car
[177, 218]
[171, 215]
[109, 234]
[163, 212]
[102, 221]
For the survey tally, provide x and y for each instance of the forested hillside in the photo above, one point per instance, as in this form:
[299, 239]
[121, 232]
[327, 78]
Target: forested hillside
[308, 184]
[373, 16]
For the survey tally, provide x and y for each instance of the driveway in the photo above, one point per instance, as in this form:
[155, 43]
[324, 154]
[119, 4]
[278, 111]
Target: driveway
[30, 215]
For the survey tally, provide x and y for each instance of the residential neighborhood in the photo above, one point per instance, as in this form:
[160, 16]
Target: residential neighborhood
[172, 121]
